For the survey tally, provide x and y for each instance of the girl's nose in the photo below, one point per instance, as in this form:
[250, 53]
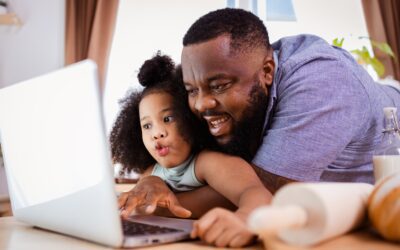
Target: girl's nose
[159, 133]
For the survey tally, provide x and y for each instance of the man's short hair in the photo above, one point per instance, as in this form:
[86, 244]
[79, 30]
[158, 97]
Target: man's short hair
[245, 29]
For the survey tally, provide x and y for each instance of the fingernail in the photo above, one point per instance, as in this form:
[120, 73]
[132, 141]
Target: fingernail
[149, 209]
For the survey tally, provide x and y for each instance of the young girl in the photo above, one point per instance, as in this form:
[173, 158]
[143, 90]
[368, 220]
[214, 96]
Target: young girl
[157, 135]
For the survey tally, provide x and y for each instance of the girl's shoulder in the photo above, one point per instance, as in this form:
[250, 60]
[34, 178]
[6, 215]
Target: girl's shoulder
[206, 153]
[215, 158]
[212, 165]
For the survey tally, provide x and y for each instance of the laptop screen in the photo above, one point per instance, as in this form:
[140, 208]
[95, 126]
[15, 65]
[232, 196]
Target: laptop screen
[56, 154]
[49, 137]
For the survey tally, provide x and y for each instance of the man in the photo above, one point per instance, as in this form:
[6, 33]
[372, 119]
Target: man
[298, 110]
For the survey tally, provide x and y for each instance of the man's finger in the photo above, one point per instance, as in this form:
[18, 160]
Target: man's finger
[145, 208]
[122, 200]
[130, 206]
[150, 203]
[179, 211]
[174, 207]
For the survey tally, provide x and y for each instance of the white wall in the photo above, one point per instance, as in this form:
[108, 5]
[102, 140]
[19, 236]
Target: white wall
[34, 48]
[37, 46]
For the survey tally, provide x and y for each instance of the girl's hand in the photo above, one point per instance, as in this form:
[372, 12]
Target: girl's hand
[148, 194]
[223, 228]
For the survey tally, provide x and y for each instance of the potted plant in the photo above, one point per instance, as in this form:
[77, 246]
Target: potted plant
[365, 58]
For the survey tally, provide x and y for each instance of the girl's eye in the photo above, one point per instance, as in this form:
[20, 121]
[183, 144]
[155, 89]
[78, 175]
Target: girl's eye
[169, 118]
[146, 126]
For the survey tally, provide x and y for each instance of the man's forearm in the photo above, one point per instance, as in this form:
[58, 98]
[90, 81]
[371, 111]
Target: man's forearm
[201, 200]
[271, 181]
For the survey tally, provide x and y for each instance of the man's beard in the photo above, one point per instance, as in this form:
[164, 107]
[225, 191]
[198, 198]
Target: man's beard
[247, 132]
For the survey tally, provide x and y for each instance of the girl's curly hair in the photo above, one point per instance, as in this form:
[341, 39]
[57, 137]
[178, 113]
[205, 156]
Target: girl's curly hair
[157, 74]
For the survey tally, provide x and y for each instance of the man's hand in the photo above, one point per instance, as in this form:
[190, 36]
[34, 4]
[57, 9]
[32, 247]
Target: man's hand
[223, 228]
[148, 194]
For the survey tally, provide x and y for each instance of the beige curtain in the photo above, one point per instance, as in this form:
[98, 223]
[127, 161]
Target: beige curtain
[383, 23]
[89, 31]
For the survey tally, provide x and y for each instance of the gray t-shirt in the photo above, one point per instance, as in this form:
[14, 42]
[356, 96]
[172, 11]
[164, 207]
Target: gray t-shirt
[325, 114]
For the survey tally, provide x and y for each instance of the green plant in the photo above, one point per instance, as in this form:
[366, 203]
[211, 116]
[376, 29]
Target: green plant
[363, 56]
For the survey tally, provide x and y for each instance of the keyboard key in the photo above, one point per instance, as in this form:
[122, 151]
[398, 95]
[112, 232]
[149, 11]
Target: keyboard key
[136, 228]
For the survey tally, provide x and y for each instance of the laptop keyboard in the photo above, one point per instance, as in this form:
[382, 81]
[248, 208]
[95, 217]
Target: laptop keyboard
[136, 228]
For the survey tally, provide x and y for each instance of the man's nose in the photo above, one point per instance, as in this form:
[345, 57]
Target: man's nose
[159, 132]
[205, 102]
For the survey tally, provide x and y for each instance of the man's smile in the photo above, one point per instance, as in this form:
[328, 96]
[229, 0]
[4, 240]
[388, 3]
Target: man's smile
[219, 125]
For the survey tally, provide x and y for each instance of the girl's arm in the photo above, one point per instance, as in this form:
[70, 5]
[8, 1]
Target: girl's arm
[236, 180]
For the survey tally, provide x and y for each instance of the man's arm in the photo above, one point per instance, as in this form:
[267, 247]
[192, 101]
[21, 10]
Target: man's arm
[151, 193]
[201, 200]
[272, 182]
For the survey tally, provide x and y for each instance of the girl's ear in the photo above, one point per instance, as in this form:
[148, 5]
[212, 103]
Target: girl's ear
[267, 73]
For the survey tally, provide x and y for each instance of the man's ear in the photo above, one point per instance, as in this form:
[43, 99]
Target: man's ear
[267, 74]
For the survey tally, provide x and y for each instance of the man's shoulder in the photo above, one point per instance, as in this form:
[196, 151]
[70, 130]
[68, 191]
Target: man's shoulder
[304, 48]
[301, 39]
[312, 55]
[300, 42]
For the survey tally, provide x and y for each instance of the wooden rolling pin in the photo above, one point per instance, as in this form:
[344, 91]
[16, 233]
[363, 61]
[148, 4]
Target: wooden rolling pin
[305, 214]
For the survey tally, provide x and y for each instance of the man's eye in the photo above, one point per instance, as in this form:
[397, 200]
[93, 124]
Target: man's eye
[169, 118]
[220, 87]
[191, 92]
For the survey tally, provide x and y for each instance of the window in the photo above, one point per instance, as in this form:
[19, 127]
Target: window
[142, 28]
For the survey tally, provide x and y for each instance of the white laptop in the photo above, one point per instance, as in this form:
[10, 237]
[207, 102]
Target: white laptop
[57, 160]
